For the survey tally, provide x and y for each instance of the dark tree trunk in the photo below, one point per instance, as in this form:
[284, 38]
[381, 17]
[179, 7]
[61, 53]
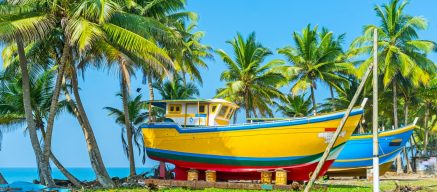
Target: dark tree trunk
[2, 179]
[92, 146]
[313, 98]
[125, 96]
[43, 170]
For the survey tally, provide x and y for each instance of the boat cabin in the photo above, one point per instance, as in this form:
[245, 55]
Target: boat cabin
[198, 112]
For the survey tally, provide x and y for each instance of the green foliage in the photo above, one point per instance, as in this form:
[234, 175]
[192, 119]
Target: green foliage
[137, 116]
[250, 82]
[295, 106]
[315, 56]
[175, 88]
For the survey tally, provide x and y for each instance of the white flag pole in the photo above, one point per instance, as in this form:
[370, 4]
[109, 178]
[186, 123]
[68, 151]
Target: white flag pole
[375, 113]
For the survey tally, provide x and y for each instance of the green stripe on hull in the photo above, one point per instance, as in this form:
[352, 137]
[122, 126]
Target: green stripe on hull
[235, 162]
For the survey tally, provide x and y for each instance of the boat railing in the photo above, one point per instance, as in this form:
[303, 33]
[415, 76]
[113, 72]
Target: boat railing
[244, 124]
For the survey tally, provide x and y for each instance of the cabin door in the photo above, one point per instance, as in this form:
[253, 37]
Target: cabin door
[196, 114]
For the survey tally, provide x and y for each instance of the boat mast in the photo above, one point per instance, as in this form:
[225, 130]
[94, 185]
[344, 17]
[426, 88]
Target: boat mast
[375, 113]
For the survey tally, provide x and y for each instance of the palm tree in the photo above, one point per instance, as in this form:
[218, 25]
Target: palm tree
[12, 111]
[23, 24]
[137, 117]
[317, 56]
[401, 54]
[428, 106]
[248, 77]
[295, 106]
[176, 89]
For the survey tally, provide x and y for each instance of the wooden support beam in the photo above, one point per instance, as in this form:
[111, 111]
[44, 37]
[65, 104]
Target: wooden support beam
[155, 183]
[338, 131]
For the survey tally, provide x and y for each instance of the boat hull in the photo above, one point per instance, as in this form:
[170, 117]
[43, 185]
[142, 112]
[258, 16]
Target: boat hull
[356, 157]
[241, 151]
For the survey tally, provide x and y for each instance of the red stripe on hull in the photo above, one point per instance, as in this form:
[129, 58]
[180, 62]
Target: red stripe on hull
[228, 172]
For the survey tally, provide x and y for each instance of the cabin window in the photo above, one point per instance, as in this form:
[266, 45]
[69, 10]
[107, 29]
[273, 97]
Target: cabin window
[202, 109]
[175, 108]
[230, 113]
[223, 110]
[213, 109]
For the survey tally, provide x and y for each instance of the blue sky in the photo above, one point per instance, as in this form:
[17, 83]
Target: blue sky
[273, 21]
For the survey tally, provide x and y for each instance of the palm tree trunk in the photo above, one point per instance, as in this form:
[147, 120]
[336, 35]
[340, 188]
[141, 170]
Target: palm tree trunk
[313, 98]
[93, 148]
[58, 164]
[395, 119]
[246, 103]
[426, 140]
[409, 168]
[53, 106]
[399, 168]
[43, 170]
[151, 94]
[125, 95]
[2, 179]
[332, 97]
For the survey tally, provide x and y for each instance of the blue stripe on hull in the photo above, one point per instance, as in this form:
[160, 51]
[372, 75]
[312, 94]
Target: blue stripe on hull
[358, 153]
[300, 121]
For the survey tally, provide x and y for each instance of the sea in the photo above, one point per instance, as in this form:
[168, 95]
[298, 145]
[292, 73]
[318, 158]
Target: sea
[83, 174]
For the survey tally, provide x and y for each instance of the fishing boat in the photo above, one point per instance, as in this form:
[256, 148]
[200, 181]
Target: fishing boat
[356, 156]
[197, 135]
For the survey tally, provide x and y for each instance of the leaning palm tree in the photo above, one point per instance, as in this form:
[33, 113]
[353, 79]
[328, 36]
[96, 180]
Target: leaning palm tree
[12, 113]
[316, 56]
[137, 116]
[248, 77]
[295, 106]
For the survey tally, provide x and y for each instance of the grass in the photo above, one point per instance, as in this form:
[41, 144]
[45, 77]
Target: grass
[428, 185]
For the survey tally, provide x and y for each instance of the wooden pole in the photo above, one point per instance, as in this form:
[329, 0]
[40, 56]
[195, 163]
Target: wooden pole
[338, 131]
[375, 113]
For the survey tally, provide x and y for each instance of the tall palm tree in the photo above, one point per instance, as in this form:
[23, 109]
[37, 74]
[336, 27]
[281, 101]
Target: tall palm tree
[137, 116]
[176, 89]
[248, 77]
[295, 106]
[401, 54]
[23, 24]
[316, 56]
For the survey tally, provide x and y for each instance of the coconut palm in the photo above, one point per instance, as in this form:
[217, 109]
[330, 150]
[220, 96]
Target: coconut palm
[316, 56]
[295, 106]
[176, 89]
[247, 75]
[400, 54]
[23, 24]
[137, 117]
[12, 113]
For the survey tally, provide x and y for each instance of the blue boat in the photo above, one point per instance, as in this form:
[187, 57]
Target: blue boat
[356, 156]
